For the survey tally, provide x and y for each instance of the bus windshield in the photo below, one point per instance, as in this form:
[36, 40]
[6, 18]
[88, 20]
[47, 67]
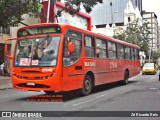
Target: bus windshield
[41, 51]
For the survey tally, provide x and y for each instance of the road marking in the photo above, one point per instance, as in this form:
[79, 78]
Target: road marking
[89, 100]
[153, 77]
[82, 102]
[153, 88]
[138, 82]
[100, 96]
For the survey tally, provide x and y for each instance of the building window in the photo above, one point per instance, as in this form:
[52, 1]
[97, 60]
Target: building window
[129, 19]
[4, 30]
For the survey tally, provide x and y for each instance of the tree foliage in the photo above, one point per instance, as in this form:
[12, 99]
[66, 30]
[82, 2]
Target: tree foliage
[136, 34]
[11, 11]
[155, 55]
[87, 4]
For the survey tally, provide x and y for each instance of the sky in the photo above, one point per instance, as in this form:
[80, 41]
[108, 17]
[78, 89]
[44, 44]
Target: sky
[152, 6]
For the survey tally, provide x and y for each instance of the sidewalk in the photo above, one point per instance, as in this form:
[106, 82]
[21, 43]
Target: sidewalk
[5, 82]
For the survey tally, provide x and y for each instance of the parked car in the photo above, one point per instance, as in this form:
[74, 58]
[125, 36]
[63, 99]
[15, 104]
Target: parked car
[149, 68]
[157, 67]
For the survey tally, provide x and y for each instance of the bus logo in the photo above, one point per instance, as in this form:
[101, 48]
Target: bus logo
[89, 63]
[47, 70]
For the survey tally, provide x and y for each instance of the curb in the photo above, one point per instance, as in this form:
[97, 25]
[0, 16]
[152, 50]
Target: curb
[6, 88]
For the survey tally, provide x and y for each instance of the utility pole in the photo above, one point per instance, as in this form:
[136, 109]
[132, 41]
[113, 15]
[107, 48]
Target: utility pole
[111, 12]
[48, 11]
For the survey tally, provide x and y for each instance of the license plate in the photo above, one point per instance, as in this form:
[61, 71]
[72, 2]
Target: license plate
[31, 84]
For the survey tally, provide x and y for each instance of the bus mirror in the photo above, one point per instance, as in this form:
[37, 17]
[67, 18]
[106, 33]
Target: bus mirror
[70, 47]
[9, 47]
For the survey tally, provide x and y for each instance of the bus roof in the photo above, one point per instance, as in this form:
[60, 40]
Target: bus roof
[63, 25]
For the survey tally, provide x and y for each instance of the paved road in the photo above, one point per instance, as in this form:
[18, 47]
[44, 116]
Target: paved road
[141, 94]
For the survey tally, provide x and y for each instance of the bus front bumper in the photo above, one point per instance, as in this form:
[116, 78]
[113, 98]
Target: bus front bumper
[50, 84]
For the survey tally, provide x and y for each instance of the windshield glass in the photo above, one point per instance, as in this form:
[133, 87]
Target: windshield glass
[148, 65]
[37, 51]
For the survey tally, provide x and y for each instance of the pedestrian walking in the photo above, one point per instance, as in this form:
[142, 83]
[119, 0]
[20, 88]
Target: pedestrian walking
[2, 69]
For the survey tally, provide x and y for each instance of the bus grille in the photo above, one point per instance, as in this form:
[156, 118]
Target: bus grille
[35, 86]
[35, 78]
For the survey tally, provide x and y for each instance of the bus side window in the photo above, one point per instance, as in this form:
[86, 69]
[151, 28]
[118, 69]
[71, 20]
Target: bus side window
[127, 53]
[71, 58]
[132, 53]
[89, 46]
[101, 48]
[120, 51]
[111, 50]
[136, 54]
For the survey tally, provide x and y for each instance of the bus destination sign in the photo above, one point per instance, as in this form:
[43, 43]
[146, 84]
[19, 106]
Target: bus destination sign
[39, 30]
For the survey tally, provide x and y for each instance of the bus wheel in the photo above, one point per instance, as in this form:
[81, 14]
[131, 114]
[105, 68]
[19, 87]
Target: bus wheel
[87, 85]
[126, 77]
[125, 81]
[49, 92]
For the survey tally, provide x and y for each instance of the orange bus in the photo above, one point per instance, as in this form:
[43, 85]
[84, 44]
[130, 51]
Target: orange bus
[53, 57]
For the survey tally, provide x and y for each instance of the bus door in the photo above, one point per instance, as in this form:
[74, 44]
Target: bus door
[72, 64]
[9, 53]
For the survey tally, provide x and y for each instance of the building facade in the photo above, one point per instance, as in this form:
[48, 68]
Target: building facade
[117, 22]
[4, 34]
[112, 11]
[151, 19]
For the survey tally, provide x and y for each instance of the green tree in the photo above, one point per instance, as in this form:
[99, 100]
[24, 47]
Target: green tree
[73, 6]
[155, 55]
[136, 34]
[11, 11]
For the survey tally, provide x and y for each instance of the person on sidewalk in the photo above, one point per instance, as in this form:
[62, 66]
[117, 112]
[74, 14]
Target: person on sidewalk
[2, 69]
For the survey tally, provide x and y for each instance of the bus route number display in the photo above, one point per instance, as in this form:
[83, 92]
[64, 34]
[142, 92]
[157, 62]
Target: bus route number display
[39, 30]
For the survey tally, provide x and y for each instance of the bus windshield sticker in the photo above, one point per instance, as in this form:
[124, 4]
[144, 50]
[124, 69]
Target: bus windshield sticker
[25, 61]
[35, 62]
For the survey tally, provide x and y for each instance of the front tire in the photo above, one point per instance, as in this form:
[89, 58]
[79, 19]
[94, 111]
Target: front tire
[87, 85]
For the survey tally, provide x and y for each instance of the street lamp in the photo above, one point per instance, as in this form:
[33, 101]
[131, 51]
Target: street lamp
[48, 10]
[113, 21]
[112, 17]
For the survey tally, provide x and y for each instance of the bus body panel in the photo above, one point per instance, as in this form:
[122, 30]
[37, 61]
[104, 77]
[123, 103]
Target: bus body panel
[71, 77]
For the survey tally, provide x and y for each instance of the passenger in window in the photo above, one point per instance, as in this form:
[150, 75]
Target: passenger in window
[22, 53]
[97, 51]
[48, 56]
[34, 53]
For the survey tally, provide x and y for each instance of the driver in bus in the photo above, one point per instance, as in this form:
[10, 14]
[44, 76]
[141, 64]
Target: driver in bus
[34, 53]
[21, 53]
